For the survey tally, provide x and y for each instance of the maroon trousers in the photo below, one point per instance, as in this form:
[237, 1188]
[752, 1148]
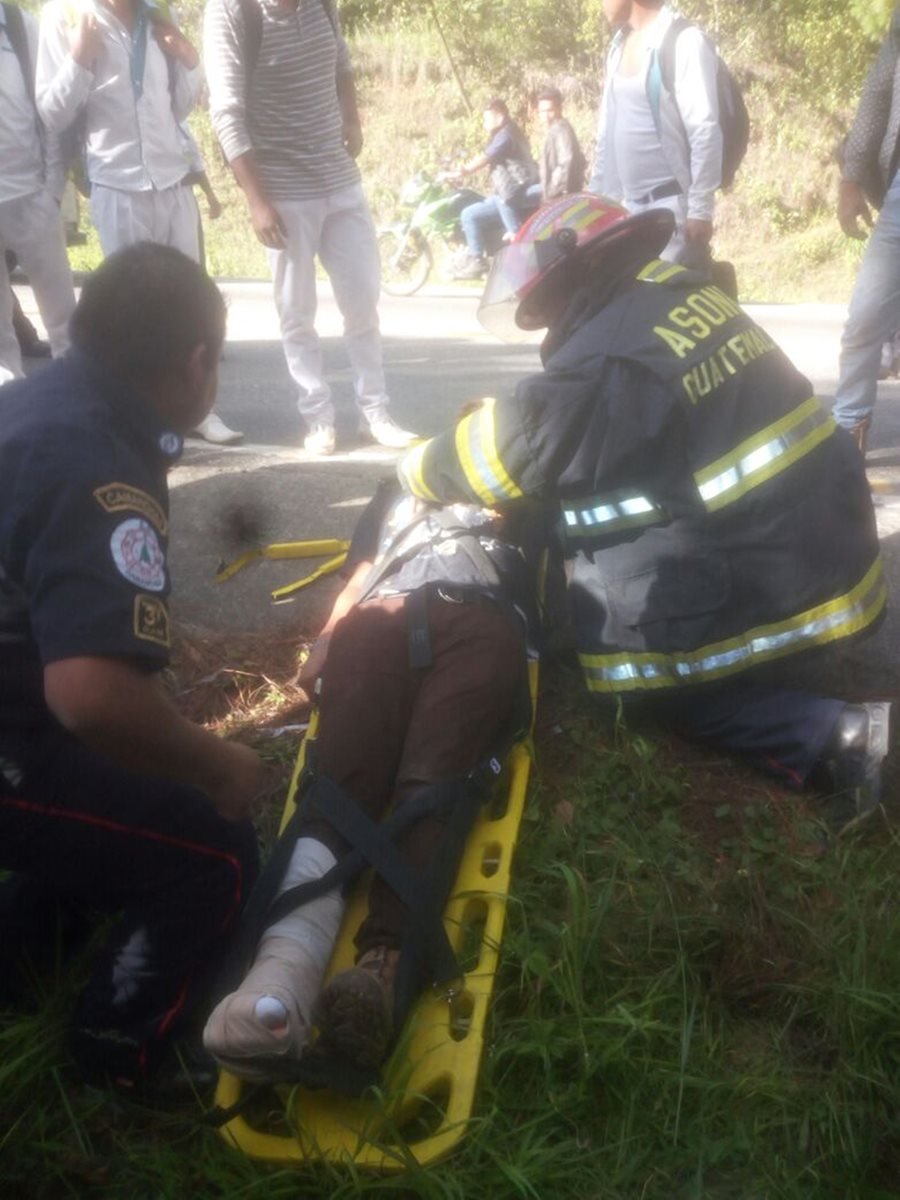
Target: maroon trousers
[386, 729]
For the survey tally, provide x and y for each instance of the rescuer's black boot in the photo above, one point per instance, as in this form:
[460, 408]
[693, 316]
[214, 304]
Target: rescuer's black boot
[850, 767]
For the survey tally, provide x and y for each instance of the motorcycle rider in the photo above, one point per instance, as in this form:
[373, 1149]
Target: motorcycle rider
[513, 170]
[715, 520]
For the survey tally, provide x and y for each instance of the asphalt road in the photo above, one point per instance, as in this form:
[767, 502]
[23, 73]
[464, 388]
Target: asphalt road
[224, 500]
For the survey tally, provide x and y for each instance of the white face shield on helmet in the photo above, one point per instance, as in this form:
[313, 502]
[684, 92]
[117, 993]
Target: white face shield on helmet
[514, 270]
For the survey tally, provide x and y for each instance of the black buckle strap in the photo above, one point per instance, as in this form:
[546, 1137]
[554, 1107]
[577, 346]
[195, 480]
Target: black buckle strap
[662, 192]
[417, 629]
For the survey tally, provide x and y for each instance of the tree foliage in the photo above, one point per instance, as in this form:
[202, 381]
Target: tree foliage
[497, 43]
[872, 15]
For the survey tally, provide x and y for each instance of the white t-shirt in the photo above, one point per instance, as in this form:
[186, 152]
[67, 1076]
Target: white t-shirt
[638, 150]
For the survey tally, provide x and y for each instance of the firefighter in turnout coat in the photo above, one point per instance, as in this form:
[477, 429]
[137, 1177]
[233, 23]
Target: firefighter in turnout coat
[715, 520]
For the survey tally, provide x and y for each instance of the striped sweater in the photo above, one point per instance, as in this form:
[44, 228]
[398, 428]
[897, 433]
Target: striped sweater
[285, 108]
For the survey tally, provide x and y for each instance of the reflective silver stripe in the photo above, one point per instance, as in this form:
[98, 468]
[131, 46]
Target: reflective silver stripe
[603, 514]
[476, 448]
[825, 623]
[765, 455]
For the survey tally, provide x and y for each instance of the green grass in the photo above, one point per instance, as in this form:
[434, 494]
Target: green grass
[693, 1002]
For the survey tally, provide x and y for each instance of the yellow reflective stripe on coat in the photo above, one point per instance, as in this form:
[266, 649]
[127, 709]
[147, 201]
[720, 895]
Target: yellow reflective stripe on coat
[658, 271]
[818, 626]
[476, 447]
[764, 455]
[412, 476]
[607, 514]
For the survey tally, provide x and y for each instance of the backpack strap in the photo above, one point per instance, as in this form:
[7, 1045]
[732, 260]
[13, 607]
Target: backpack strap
[330, 13]
[666, 51]
[661, 73]
[18, 39]
[251, 17]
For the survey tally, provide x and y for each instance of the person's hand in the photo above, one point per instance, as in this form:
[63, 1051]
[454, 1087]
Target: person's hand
[174, 44]
[353, 138]
[851, 207]
[241, 781]
[214, 205]
[696, 230]
[84, 41]
[471, 406]
[267, 224]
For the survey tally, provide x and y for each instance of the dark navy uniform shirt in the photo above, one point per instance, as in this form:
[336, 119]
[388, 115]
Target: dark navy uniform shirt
[83, 529]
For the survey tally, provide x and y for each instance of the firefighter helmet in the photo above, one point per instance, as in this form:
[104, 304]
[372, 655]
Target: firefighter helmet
[581, 224]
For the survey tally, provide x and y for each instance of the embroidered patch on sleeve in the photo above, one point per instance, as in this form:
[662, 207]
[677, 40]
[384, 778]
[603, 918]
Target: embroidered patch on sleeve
[138, 555]
[151, 620]
[122, 497]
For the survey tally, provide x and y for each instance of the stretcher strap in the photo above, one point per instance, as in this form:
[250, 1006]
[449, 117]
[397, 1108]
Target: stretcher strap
[372, 844]
[418, 634]
[375, 844]
[418, 954]
[426, 947]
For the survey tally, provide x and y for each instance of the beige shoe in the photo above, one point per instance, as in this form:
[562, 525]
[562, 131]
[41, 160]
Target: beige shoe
[213, 429]
[320, 439]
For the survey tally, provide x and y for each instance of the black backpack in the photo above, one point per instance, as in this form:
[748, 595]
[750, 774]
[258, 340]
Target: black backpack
[733, 118]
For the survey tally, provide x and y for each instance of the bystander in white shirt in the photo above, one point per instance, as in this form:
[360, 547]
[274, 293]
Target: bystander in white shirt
[31, 182]
[121, 75]
[130, 115]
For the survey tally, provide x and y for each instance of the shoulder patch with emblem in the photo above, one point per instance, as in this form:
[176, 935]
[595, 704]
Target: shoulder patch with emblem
[138, 555]
[151, 620]
[122, 497]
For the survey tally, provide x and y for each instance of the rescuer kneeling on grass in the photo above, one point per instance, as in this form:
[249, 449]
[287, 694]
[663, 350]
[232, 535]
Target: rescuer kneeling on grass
[108, 797]
[716, 521]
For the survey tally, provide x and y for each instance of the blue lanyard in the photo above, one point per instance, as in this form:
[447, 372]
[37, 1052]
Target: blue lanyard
[139, 50]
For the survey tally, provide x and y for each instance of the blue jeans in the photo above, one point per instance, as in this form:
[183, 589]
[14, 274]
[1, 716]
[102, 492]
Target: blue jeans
[479, 219]
[873, 317]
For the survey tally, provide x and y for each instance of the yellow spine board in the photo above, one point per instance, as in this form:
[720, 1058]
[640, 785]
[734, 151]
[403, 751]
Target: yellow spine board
[429, 1084]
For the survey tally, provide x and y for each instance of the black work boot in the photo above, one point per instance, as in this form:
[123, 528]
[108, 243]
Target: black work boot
[850, 766]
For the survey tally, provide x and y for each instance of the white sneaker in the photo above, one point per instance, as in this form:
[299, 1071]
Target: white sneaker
[213, 429]
[320, 439]
[387, 432]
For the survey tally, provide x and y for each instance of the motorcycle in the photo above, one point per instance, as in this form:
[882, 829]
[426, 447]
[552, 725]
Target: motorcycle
[406, 254]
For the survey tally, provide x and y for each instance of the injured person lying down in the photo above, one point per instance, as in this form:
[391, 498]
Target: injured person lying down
[422, 680]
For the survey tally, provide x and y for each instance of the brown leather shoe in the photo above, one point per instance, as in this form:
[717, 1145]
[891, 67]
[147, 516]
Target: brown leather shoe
[354, 1013]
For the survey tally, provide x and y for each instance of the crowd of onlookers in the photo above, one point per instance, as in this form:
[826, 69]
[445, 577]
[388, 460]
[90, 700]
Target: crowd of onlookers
[101, 90]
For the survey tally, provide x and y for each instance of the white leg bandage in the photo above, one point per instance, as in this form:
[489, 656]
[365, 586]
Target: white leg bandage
[269, 1014]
